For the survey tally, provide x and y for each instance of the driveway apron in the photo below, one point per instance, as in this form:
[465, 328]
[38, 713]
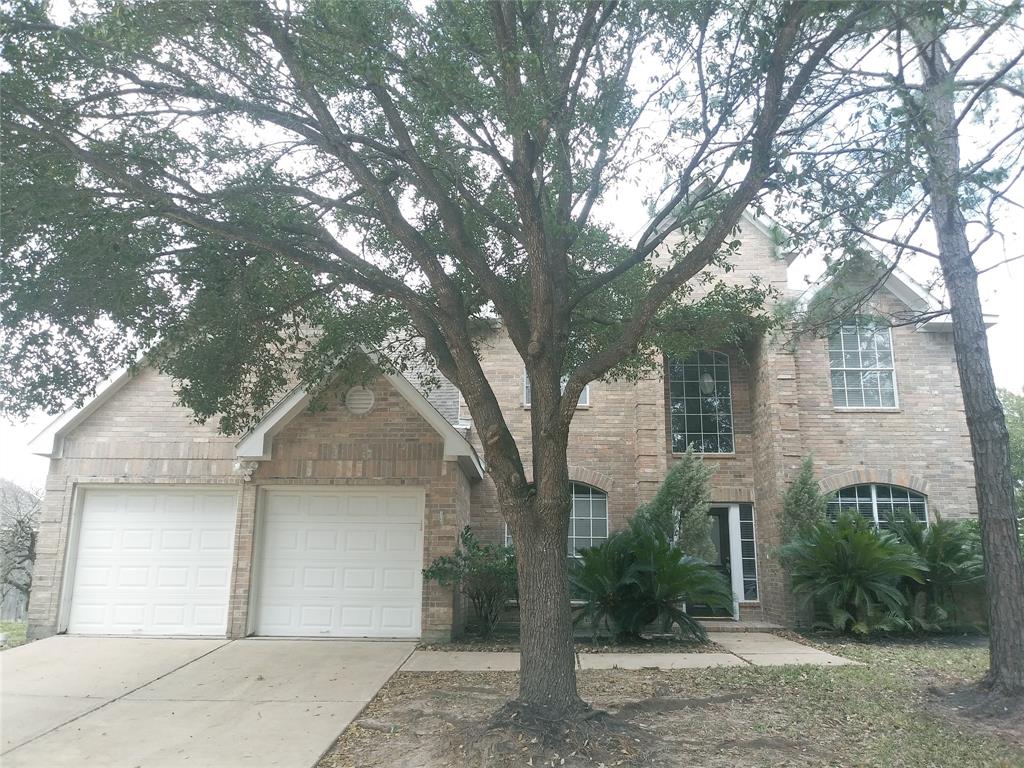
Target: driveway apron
[150, 703]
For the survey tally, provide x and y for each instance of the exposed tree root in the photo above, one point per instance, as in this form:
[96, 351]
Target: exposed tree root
[594, 735]
[985, 707]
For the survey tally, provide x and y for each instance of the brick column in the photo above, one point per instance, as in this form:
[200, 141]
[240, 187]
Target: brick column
[241, 567]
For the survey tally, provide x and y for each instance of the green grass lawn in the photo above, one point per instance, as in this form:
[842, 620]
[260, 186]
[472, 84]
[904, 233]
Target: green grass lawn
[15, 631]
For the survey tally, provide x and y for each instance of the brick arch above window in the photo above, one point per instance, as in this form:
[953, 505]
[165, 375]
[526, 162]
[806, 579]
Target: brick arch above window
[865, 475]
[592, 478]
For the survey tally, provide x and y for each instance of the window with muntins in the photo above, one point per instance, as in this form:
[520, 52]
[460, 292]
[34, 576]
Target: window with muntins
[583, 402]
[748, 551]
[861, 363]
[588, 522]
[878, 503]
[700, 402]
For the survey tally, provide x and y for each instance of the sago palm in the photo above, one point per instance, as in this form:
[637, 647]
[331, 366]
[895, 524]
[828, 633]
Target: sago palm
[852, 573]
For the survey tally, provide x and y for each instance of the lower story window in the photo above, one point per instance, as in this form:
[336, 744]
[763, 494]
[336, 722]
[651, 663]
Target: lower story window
[878, 503]
[588, 519]
[588, 524]
[748, 552]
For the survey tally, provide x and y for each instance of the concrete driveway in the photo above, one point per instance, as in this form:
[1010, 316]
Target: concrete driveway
[153, 702]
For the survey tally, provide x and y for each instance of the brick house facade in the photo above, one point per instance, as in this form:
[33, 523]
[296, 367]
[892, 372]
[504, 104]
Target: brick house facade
[307, 494]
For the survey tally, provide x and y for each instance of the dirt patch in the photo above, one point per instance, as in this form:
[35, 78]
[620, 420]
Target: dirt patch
[651, 645]
[972, 706]
[883, 713]
[661, 704]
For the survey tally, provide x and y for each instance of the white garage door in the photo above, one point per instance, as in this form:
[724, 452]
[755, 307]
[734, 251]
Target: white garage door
[153, 562]
[340, 563]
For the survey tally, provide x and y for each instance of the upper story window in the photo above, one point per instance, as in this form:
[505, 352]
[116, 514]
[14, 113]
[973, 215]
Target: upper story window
[588, 521]
[860, 356]
[583, 402]
[700, 402]
[878, 503]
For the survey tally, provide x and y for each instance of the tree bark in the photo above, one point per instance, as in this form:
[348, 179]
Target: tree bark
[986, 424]
[540, 531]
[547, 675]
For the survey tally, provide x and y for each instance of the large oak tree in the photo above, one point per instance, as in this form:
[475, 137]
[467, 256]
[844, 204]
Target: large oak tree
[207, 182]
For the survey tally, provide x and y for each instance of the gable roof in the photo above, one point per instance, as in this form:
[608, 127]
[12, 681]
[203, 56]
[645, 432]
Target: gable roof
[255, 445]
[50, 441]
[901, 285]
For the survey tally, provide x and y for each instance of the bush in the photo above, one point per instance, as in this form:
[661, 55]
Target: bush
[951, 553]
[804, 504]
[680, 507]
[484, 573]
[852, 574]
[638, 577]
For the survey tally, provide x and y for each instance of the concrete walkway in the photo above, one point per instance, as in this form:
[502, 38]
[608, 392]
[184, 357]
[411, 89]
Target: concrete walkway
[155, 703]
[758, 649]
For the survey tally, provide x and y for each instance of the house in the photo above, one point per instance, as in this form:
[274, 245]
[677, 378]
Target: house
[317, 523]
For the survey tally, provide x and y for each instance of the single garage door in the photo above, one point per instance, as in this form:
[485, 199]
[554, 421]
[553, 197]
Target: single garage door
[153, 562]
[340, 563]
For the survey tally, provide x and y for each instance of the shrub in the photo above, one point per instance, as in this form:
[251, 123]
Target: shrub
[680, 507]
[951, 553]
[851, 574]
[484, 573]
[804, 504]
[638, 577]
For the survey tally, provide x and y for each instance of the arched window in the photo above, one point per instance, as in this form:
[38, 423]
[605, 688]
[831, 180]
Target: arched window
[700, 401]
[878, 503]
[588, 518]
[860, 359]
[588, 523]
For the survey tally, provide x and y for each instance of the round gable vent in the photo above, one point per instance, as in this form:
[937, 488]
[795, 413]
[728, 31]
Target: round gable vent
[359, 401]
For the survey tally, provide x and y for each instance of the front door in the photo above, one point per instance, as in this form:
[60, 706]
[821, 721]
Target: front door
[721, 560]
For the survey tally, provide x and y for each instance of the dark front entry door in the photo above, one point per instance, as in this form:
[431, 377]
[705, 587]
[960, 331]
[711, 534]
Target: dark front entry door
[720, 560]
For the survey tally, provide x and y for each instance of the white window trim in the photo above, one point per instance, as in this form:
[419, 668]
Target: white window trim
[874, 501]
[572, 512]
[732, 412]
[869, 408]
[582, 403]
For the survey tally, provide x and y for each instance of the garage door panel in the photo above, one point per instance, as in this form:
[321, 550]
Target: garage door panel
[153, 563]
[334, 563]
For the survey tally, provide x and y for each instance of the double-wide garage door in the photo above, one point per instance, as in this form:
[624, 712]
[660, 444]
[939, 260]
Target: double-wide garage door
[340, 563]
[329, 562]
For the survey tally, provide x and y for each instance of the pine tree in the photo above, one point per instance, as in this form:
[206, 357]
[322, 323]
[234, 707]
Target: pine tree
[680, 508]
[804, 503]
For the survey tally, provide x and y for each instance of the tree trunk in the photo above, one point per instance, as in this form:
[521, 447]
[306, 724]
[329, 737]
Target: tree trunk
[1004, 570]
[540, 529]
[986, 424]
[547, 676]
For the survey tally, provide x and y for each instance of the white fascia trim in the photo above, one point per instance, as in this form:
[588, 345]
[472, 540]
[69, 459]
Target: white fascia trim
[945, 323]
[256, 444]
[898, 283]
[456, 447]
[50, 442]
